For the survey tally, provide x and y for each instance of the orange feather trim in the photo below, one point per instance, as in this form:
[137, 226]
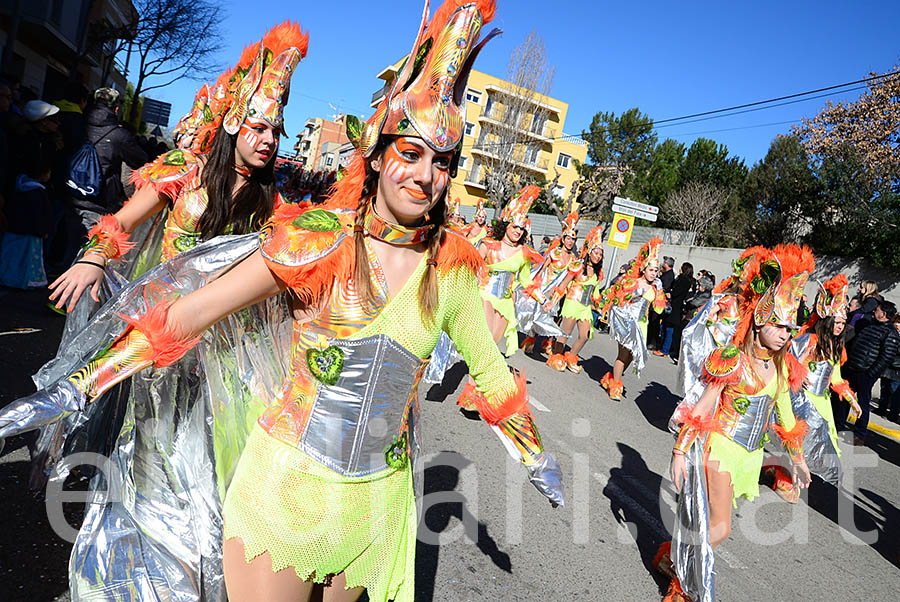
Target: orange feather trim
[513, 403]
[675, 593]
[311, 281]
[794, 259]
[456, 251]
[797, 372]
[704, 424]
[286, 35]
[793, 437]
[531, 255]
[721, 369]
[665, 548]
[108, 230]
[843, 390]
[165, 343]
[439, 19]
[347, 192]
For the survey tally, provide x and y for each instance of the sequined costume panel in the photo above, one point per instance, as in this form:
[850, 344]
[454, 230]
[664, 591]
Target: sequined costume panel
[628, 321]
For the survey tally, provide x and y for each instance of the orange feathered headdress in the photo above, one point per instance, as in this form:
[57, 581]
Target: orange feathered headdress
[479, 210]
[593, 240]
[427, 98]
[185, 133]
[516, 211]
[570, 225]
[258, 86]
[773, 287]
[832, 299]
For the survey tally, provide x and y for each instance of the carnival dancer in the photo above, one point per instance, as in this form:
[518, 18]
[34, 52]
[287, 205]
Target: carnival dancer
[228, 143]
[627, 304]
[820, 347]
[719, 448]
[560, 260]
[581, 290]
[478, 228]
[376, 278]
[456, 219]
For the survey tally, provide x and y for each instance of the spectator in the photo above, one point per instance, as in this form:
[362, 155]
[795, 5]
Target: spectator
[30, 222]
[114, 145]
[889, 402]
[803, 311]
[874, 349]
[696, 301]
[5, 102]
[671, 324]
[868, 299]
[654, 320]
[545, 244]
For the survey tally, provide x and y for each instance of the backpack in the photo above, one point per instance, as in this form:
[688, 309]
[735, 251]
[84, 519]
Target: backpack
[85, 177]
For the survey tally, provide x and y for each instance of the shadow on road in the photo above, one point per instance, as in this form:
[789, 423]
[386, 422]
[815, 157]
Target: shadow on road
[441, 478]
[633, 492]
[454, 375]
[595, 367]
[656, 402]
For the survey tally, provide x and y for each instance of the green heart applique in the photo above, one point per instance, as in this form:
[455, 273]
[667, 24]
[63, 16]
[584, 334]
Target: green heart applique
[741, 404]
[325, 364]
[395, 453]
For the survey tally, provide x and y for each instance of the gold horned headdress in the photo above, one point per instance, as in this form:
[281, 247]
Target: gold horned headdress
[516, 211]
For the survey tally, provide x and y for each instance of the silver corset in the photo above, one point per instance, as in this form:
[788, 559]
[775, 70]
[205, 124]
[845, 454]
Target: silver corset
[352, 422]
[639, 305]
[820, 377]
[499, 284]
[586, 291]
[749, 431]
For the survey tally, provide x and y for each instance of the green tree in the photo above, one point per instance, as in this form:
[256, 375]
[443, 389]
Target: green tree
[664, 176]
[781, 194]
[707, 162]
[621, 144]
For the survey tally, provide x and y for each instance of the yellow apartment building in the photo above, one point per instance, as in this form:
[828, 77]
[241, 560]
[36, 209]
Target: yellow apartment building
[550, 149]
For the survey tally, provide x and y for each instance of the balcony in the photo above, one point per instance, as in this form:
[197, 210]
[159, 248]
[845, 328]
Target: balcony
[497, 114]
[530, 98]
[537, 164]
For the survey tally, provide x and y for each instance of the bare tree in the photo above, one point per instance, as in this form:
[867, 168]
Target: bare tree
[516, 129]
[175, 39]
[695, 207]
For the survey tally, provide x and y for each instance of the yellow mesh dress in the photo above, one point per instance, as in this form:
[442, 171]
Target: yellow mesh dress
[303, 513]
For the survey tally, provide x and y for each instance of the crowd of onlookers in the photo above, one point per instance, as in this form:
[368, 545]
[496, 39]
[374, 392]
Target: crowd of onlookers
[43, 219]
[296, 184]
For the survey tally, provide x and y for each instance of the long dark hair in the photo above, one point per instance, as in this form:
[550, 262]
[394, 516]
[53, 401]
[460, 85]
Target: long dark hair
[249, 208]
[598, 267]
[362, 281]
[828, 347]
[498, 231]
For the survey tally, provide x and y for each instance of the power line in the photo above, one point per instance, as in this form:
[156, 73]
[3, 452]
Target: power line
[770, 100]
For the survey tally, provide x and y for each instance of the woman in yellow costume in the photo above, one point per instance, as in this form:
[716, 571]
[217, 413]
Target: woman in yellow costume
[627, 304]
[581, 289]
[478, 229]
[324, 487]
[820, 347]
[719, 447]
[560, 260]
[227, 148]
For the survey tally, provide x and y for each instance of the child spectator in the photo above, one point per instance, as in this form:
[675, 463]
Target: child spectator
[30, 221]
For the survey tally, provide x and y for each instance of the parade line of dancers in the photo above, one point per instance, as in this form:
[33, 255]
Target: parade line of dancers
[278, 349]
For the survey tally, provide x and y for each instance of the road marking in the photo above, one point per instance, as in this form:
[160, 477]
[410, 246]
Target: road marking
[20, 331]
[881, 430]
[538, 405]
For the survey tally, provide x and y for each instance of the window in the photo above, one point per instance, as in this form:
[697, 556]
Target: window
[470, 129]
[531, 155]
[473, 96]
[538, 122]
[563, 160]
[462, 162]
[329, 160]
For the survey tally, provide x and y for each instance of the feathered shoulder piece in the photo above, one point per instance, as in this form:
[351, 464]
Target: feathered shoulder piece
[457, 252]
[740, 267]
[724, 365]
[169, 173]
[308, 248]
[575, 266]
[622, 292]
[532, 256]
[490, 244]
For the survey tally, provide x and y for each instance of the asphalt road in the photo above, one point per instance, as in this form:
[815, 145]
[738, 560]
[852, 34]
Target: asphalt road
[486, 534]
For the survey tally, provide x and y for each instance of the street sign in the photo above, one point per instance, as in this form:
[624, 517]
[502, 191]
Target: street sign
[620, 233]
[635, 205]
[650, 217]
[156, 112]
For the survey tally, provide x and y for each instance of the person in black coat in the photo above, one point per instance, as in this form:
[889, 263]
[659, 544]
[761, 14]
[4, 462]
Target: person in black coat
[671, 323]
[114, 145]
[874, 349]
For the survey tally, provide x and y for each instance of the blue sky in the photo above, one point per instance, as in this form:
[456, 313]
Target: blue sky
[668, 59]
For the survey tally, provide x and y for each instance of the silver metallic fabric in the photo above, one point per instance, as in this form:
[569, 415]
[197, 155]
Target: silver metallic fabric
[443, 356]
[623, 327]
[353, 421]
[154, 528]
[750, 429]
[44, 407]
[546, 475]
[692, 554]
[697, 342]
[818, 448]
[499, 284]
[532, 319]
[586, 292]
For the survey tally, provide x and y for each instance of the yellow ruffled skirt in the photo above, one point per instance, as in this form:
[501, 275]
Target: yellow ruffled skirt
[742, 465]
[577, 311]
[321, 523]
[506, 308]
